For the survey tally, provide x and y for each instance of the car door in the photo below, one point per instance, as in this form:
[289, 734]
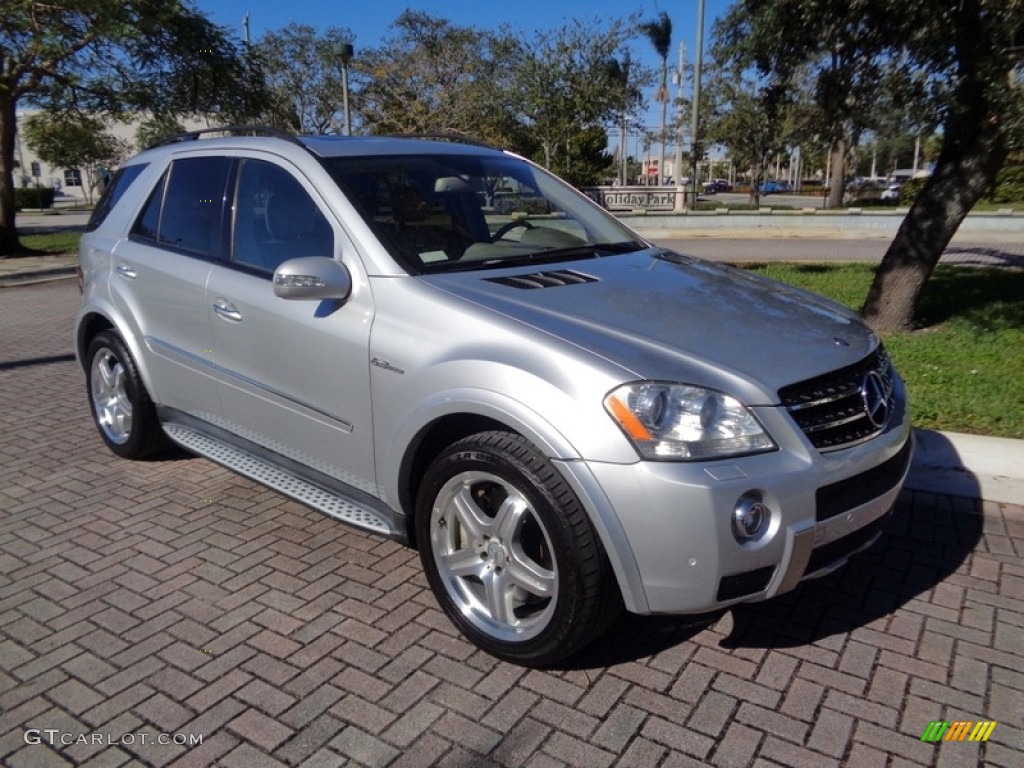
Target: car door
[160, 276]
[294, 374]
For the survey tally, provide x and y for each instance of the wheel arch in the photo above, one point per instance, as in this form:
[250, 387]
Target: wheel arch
[431, 439]
[446, 429]
[89, 326]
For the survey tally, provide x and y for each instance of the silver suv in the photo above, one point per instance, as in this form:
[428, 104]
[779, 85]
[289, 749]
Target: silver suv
[444, 344]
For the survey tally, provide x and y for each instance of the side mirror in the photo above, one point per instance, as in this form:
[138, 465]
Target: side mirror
[312, 278]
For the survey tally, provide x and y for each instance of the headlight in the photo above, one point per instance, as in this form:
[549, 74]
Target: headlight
[678, 422]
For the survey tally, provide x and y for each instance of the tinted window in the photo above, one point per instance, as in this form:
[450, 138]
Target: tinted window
[275, 219]
[468, 211]
[185, 211]
[148, 223]
[115, 190]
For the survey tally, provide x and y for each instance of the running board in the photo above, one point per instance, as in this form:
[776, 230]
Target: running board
[287, 483]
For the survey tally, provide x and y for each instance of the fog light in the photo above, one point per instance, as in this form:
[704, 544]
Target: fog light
[750, 517]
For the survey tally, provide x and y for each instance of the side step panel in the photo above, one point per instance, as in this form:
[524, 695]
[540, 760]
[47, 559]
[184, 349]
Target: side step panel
[284, 482]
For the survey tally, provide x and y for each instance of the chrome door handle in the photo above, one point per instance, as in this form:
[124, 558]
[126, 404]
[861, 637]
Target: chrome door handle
[126, 271]
[227, 310]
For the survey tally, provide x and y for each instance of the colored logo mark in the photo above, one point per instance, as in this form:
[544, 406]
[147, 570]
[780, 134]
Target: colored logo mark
[958, 730]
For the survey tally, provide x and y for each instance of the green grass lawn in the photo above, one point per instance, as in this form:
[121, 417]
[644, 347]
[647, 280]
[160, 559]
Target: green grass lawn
[56, 242]
[964, 368]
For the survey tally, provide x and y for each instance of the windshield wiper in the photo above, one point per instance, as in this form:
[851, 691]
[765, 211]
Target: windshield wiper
[572, 252]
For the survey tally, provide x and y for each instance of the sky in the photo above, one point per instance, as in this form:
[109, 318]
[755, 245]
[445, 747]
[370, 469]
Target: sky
[369, 19]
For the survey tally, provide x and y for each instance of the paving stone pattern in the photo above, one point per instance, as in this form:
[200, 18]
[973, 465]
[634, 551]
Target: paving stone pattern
[173, 597]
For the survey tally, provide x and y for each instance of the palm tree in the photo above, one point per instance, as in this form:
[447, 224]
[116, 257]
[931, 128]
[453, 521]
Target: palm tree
[659, 32]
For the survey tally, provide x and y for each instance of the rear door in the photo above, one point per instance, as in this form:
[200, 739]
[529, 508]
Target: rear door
[160, 276]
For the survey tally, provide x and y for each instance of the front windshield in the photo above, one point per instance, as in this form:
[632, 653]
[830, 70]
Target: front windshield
[437, 213]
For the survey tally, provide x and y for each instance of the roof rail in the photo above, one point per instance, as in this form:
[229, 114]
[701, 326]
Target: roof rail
[227, 130]
[455, 138]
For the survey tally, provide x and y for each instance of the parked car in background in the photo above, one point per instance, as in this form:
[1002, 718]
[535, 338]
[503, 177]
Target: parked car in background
[898, 178]
[717, 185]
[891, 191]
[772, 187]
[442, 343]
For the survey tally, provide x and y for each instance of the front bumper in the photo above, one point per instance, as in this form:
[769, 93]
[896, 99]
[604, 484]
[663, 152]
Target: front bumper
[670, 535]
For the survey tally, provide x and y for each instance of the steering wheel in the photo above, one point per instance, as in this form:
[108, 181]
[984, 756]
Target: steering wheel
[506, 228]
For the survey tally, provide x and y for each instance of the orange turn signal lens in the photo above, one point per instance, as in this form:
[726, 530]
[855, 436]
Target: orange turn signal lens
[629, 422]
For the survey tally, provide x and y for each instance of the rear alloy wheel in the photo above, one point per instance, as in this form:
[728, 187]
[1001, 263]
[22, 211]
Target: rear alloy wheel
[510, 553]
[121, 407]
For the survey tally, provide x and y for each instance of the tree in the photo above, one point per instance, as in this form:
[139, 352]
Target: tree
[156, 127]
[832, 40]
[565, 83]
[970, 51]
[432, 76]
[659, 32]
[303, 75]
[951, 60]
[620, 76]
[108, 56]
[748, 120]
[591, 163]
[74, 141]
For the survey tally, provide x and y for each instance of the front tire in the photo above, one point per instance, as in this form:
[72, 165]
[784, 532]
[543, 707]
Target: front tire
[510, 553]
[120, 405]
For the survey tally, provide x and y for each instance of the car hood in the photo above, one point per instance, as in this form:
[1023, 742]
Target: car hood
[661, 315]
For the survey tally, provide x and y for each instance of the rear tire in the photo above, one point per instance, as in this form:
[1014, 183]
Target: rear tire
[510, 552]
[121, 407]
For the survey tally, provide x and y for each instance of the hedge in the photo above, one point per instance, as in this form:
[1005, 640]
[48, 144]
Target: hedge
[32, 197]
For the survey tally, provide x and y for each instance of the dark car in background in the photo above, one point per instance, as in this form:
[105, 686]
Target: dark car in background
[717, 185]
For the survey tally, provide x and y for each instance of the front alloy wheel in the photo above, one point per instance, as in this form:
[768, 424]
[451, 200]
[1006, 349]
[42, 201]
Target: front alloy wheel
[510, 553]
[494, 556]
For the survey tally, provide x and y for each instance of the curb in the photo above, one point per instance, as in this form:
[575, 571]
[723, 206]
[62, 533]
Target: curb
[38, 276]
[972, 466]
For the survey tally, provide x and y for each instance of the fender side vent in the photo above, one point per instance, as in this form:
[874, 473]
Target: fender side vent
[554, 279]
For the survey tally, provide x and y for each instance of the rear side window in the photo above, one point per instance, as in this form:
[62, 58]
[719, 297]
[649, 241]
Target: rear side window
[185, 210]
[116, 188]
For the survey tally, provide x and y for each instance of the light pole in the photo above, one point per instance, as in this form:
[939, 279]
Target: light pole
[345, 52]
[677, 171]
[695, 112]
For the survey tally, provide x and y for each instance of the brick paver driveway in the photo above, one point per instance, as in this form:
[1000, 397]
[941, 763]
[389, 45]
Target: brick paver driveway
[171, 600]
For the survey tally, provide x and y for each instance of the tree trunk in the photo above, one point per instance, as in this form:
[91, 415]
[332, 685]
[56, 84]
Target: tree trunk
[9, 243]
[835, 191]
[973, 151]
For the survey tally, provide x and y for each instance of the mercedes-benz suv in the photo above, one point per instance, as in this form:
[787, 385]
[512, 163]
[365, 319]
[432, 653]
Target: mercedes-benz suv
[442, 343]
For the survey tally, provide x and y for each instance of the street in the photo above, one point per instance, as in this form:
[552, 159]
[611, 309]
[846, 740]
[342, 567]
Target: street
[1002, 252]
[173, 598]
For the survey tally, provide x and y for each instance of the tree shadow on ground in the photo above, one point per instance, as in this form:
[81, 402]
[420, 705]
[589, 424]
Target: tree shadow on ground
[977, 256]
[990, 299]
[9, 365]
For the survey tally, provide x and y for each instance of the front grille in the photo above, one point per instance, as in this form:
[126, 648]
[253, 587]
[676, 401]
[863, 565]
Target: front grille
[844, 407]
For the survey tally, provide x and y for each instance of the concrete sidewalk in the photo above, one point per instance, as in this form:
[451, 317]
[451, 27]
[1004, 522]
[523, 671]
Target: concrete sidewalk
[25, 270]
